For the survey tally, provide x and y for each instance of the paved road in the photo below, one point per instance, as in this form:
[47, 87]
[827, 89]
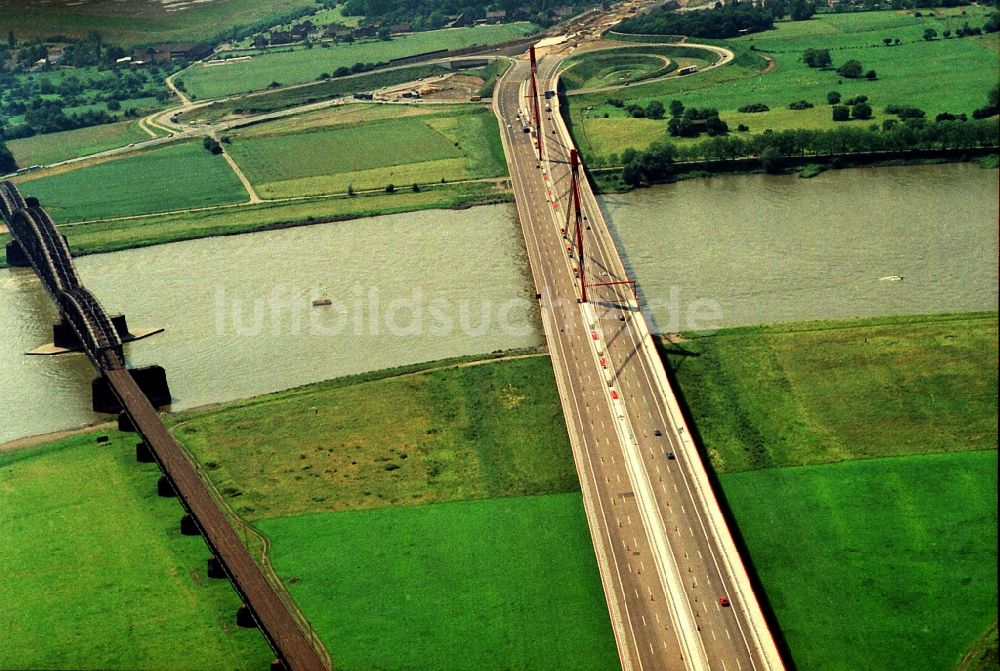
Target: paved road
[663, 549]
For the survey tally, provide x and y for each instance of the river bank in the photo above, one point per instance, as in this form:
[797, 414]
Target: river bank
[112, 235]
[609, 180]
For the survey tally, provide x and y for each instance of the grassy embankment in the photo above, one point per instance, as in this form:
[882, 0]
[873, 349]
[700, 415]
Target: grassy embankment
[96, 573]
[294, 96]
[186, 176]
[142, 21]
[299, 64]
[628, 64]
[937, 76]
[107, 236]
[858, 459]
[417, 493]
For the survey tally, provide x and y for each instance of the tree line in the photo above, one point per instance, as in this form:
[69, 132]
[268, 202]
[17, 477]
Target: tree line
[773, 148]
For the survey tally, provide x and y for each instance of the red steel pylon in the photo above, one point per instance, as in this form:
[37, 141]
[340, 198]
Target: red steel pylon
[534, 100]
[573, 211]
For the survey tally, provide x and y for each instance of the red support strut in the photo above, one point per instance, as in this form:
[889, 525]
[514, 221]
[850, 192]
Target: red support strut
[534, 100]
[575, 211]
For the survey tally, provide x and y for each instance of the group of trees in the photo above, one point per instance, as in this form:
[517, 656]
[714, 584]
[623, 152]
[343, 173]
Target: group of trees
[7, 162]
[850, 69]
[773, 148]
[692, 122]
[44, 99]
[728, 20]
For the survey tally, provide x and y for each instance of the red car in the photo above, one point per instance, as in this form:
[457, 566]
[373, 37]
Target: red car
[724, 601]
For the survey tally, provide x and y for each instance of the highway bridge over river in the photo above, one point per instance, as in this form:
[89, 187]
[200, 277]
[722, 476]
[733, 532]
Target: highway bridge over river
[43, 247]
[677, 591]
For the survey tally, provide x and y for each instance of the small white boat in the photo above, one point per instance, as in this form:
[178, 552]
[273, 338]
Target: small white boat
[891, 278]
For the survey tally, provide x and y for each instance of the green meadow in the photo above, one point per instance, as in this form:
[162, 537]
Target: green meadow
[451, 434]
[875, 564]
[819, 392]
[453, 146]
[942, 75]
[96, 573]
[505, 583]
[182, 175]
[298, 64]
[55, 147]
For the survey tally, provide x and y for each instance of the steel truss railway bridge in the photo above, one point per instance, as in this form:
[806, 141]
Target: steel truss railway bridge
[41, 246]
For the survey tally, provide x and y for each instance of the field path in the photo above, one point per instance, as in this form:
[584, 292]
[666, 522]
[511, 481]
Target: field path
[254, 198]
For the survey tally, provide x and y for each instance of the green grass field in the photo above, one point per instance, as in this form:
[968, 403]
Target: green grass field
[875, 564]
[97, 575]
[402, 151]
[141, 21]
[54, 147]
[179, 176]
[491, 584]
[942, 75]
[109, 236]
[299, 64]
[818, 392]
[453, 434]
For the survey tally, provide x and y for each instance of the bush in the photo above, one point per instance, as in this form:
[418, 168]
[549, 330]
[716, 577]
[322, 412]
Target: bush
[861, 111]
[833, 97]
[743, 128]
[753, 107]
[905, 112]
[211, 145]
[871, 75]
[390, 188]
[856, 100]
[615, 102]
[851, 69]
[800, 105]
[817, 58]
[841, 113]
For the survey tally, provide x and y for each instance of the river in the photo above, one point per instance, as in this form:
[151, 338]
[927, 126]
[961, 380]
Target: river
[706, 253]
[239, 318]
[756, 249]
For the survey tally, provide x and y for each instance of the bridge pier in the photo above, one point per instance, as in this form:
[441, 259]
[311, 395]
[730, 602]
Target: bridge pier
[16, 258]
[245, 618]
[125, 424]
[188, 526]
[214, 568]
[164, 487]
[143, 454]
[152, 380]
